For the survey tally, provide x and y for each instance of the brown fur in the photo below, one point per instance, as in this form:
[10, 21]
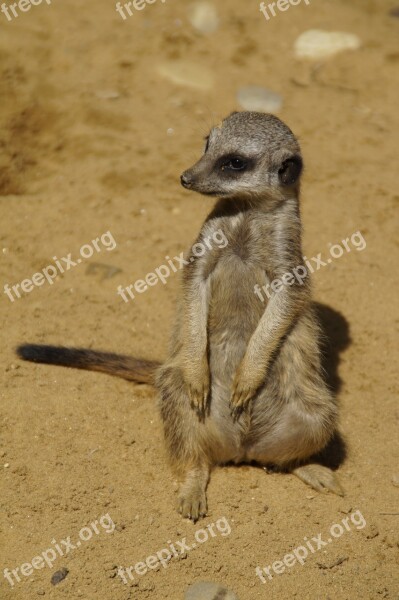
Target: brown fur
[127, 367]
[243, 381]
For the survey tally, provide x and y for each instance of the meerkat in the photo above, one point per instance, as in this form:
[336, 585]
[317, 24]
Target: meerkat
[243, 381]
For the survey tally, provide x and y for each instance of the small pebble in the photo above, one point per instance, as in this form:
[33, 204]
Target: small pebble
[59, 576]
[203, 17]
[316, 43]
[206, 590]
[146, 586]
[253, 97]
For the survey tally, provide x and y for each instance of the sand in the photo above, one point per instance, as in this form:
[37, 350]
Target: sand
[94, 137]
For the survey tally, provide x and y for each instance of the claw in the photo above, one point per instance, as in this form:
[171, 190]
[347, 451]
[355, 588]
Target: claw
[199, 400]
[193, 506]
[239, 401]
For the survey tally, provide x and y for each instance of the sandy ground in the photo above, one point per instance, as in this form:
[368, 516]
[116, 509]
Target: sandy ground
[93, 139]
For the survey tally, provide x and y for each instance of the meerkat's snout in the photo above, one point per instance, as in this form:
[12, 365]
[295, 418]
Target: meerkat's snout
[199, 178]
[186, 179]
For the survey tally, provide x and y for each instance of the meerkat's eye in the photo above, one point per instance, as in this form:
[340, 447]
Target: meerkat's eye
[290, 170]
[234, 164]
[237, 164]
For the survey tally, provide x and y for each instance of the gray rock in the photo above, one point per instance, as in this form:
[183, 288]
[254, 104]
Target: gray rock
[206, 590]
[253, 97]
[59, 576]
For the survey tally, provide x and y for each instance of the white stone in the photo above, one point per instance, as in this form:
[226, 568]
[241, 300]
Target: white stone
[203, 17]
[316, 43]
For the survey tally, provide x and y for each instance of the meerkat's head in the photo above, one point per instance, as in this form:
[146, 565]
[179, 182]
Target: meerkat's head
[249, 154]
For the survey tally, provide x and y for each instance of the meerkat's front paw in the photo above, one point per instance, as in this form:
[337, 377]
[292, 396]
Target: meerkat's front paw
[193, 505]
[197, 378]
[245, 386]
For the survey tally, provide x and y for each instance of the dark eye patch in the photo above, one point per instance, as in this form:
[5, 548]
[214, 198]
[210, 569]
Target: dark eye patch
[232, 163]
[206, 144]
[290, 170]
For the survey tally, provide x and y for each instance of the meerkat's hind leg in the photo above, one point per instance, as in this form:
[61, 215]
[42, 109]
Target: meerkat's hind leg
[320, 478]
[192, 495]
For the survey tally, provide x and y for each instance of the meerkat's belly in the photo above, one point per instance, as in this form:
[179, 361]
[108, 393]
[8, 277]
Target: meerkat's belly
[234, 313]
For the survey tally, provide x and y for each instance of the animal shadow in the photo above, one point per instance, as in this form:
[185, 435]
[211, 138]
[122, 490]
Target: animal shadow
[335, 339]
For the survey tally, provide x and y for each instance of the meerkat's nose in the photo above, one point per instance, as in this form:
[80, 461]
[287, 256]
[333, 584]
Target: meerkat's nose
[186, 179]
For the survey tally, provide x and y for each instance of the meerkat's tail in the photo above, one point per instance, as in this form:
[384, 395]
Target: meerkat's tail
[132, 369]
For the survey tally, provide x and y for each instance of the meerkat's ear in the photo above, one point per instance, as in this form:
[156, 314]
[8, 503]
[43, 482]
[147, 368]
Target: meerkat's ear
[290, 170]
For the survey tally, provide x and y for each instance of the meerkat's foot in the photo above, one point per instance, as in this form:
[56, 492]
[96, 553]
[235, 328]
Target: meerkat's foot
[320, 478]
[192, 496]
